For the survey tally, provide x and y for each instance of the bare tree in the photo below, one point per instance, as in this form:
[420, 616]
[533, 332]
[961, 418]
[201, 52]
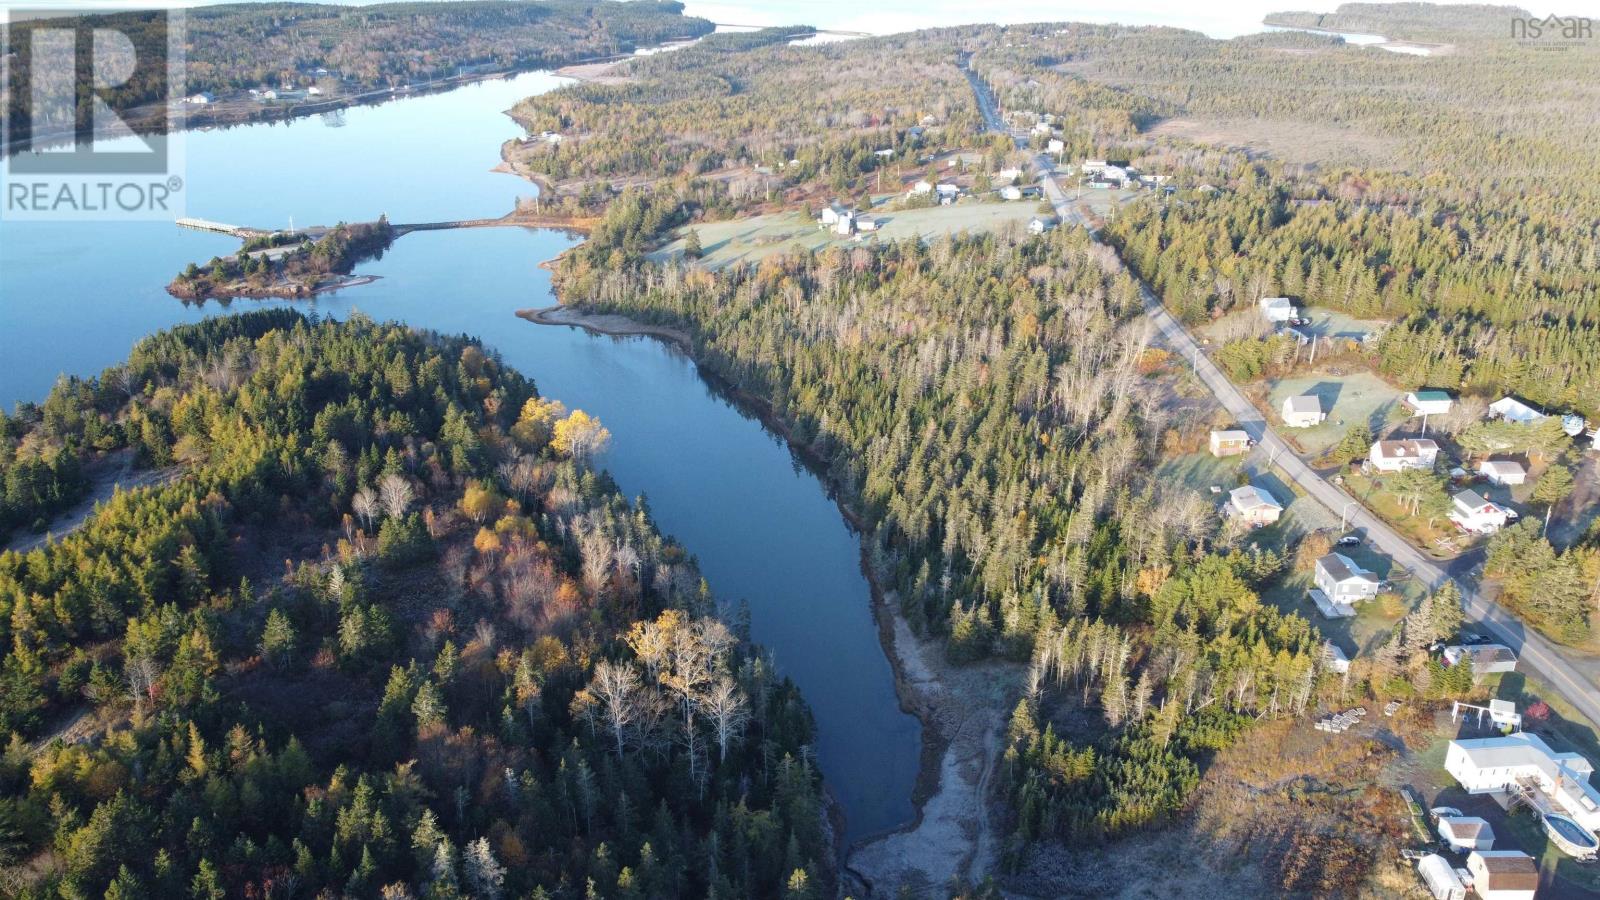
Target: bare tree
[365, 505]
[396, 494]
[726, 707]
[142, 673]
[615, 687]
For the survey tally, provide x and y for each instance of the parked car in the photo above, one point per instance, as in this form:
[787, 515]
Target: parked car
[1349, 540]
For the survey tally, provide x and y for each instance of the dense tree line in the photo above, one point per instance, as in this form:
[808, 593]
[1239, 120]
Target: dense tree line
[231, 47]
[980, 399]
[387, 636]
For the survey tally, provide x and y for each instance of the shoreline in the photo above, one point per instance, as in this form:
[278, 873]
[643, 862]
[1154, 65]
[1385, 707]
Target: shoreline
[936, 744]
[192, 121]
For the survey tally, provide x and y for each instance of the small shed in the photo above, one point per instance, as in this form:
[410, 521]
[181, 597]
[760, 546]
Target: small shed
[1466, 833]
[1440, 879]
[1230, 442]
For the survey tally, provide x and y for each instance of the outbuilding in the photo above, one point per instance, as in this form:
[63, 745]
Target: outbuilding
[1466, 833]
[1503, 874]
[1503, 472]
[1230, 442]
[1440, 879]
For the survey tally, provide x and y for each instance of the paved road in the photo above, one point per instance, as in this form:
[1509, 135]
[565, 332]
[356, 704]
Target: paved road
[1534, 651]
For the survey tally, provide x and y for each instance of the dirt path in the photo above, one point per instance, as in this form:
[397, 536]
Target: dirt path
[108, 475]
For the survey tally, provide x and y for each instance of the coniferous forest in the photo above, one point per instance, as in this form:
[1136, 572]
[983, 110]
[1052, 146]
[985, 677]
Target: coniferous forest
[386, 633]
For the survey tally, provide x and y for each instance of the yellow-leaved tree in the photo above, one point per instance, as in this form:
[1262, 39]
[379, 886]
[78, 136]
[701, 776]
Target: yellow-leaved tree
[580, 435]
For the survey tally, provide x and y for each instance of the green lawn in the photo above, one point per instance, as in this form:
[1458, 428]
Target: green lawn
[1347, 399]
[755, 238]
[1417, 529]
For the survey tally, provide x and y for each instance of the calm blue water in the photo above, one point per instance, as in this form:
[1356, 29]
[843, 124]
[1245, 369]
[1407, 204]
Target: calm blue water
[74, 297]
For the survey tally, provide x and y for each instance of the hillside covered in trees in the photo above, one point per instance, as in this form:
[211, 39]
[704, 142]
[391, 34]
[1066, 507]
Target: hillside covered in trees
[232, 47]
[387, 635]
[1441, 191]
[799, 112]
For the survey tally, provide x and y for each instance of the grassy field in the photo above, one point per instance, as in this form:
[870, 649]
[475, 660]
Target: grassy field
[1347, 399]
[1335, 324]
[1439, 536]
[755, 238]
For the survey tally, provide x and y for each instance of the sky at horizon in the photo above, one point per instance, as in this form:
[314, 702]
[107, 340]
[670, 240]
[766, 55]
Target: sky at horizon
[888, 16]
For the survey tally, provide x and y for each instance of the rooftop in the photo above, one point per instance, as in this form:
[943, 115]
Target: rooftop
[1342, 568]
[1305, 403]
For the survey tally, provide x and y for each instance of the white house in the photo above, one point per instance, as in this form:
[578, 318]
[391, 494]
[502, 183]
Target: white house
[1466, 832]
[1055, 146]
[1277, 309]
[1304, 411]
[1440, 879]
[920, 188]
[1011, 192]
[866, 223]
[836, 212]
[1487, 659]
[1513, 410]
[204, 98]
[1253, 505]
[1231, 442]
[1093, 166]
[1428, 403]
[1039, 225]
[1394, 456]
[1474, 514]
[1503, 472]
[1523, 761]
[947, 192]
[1503, 874]
[1343, 580]
[1008, 176]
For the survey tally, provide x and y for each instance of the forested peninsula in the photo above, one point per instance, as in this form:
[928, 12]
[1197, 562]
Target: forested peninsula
[385, 634]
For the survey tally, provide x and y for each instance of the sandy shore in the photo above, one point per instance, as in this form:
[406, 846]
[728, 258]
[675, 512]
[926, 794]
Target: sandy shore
[963, 710]
[604, 324]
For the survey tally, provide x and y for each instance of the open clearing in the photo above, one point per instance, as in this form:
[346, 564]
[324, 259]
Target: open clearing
[757, 237]
[1286, 139]
[1348, 399]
